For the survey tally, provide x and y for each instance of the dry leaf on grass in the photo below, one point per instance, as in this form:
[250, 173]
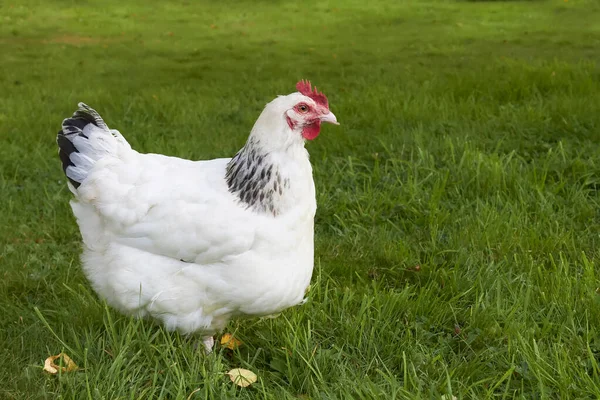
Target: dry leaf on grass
[51, 367]
[230, 342]
[242, 377]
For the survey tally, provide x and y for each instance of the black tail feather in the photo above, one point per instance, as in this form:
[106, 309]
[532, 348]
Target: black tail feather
[65, 148]
[73, 127]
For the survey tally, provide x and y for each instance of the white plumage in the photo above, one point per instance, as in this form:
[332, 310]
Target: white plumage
[195, 243]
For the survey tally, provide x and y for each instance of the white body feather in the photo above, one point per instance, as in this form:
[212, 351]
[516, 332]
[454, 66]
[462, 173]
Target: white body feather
[140, 215]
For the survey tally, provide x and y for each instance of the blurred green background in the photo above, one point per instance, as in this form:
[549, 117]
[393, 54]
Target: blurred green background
[457, 228]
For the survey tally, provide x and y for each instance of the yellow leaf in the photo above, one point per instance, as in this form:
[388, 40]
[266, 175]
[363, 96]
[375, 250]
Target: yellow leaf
[228, 341]
[51, 367]
[242, 377]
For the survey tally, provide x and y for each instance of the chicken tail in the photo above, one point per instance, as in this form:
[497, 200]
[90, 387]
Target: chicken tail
[84, 139]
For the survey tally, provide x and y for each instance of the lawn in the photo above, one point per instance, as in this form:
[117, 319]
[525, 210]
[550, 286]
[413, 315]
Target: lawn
[458, 222]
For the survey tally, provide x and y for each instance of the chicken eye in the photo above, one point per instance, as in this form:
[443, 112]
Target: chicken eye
[303, 108]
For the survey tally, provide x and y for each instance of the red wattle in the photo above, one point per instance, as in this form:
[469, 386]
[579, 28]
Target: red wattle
[311, 131]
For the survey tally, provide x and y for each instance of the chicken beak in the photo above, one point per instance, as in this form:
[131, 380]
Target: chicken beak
[330, 118]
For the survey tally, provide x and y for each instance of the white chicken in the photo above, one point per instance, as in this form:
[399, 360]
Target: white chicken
[195, 243]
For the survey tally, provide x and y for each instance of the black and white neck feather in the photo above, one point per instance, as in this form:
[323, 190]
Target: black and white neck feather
[255, 179]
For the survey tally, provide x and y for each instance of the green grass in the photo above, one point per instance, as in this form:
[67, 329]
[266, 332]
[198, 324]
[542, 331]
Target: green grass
[458, 224]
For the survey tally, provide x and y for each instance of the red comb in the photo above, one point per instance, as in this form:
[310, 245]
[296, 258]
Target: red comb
[304, 87]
